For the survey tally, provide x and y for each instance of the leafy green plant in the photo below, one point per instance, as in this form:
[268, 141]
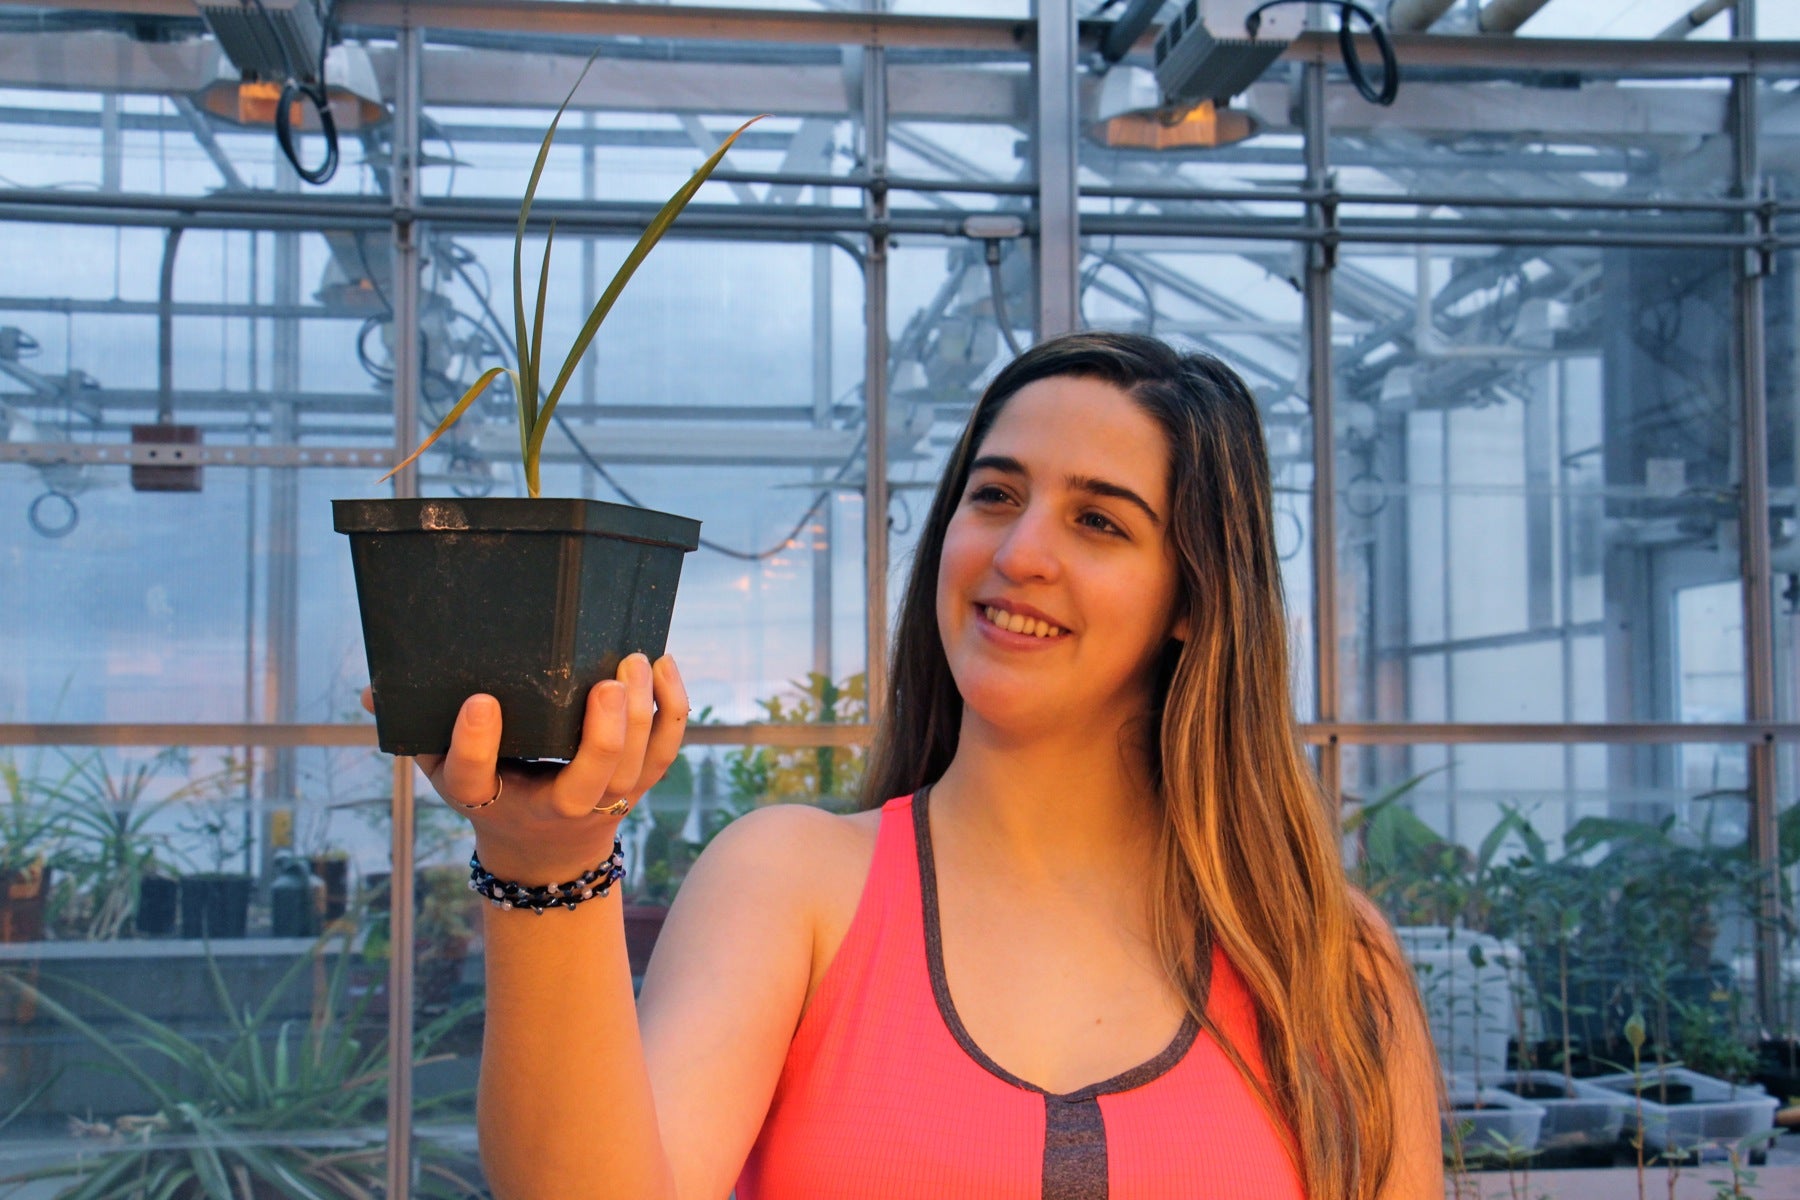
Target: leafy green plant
[828, 775]
[267, 1112]
[527, 379]
[110, 845]
[31, 822]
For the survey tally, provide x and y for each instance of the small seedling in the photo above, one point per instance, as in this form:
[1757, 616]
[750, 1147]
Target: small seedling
[527, 379]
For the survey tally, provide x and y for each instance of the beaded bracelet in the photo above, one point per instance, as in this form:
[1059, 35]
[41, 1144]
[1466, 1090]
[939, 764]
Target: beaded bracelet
[597, 882]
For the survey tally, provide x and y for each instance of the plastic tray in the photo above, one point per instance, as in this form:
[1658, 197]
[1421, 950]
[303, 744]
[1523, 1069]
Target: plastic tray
[1721, 1111]
[1502, 1122]
[1589, 1117]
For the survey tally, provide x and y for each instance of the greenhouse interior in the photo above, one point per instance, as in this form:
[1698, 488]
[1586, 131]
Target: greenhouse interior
[1516, 288]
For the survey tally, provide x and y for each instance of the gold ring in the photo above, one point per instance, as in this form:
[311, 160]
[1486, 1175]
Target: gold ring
[499, 786]
[617, 808]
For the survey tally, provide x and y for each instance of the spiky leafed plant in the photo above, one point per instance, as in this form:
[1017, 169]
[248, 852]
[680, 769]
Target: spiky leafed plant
[263, 1111]
[527, 379]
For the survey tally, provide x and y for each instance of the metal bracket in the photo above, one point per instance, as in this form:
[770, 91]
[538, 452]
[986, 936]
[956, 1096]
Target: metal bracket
[44, 454]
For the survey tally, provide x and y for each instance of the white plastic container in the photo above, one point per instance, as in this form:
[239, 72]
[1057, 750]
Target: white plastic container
[1720, 1112]
[1502, 1125]
[1469, 1004]
[1584, 1117]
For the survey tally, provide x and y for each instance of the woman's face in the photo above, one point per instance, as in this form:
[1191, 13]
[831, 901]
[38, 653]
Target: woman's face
[1057, 584]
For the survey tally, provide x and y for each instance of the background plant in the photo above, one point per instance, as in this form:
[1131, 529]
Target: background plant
[261, 1111]
[109, 841]
[827, 775]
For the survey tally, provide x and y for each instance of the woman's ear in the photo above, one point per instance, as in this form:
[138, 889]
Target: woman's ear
[1179, 630]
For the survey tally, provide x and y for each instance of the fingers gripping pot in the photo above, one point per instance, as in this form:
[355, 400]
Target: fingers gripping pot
[532, 601]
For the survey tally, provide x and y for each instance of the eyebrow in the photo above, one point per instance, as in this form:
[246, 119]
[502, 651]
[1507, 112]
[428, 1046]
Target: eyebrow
[1086, 484]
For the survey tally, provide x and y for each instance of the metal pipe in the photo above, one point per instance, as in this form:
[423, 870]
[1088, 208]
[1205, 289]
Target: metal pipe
[1320, 259]
[875, 377]
[1750, 270]
[1359, 733]
[165, 330]
[1693, 19]
[1416, 16]
[603, 216]
[1057, 160]
[1505, 16]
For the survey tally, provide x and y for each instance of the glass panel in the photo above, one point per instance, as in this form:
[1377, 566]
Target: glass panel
[172, 941]
[1546, 894]
[647, 113]
[1537, 476]
[1464, 132]
[174, 118]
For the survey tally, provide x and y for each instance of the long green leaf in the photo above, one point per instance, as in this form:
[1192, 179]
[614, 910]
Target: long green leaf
[462, 406]
[101, 1042]
[537, 359]
[528, 395]
[651, 235]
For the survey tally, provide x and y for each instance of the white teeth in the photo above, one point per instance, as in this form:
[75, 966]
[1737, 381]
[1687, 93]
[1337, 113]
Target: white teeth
[1015, 623]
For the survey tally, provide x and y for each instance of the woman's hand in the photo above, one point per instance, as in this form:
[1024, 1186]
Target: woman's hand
[544, 828]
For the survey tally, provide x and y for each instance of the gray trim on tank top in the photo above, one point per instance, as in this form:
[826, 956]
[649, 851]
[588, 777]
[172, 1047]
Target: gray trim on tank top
[1075, 1166]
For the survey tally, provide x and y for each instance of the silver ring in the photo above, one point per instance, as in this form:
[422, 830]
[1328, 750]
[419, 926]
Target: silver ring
[617, 808]
[499, 786]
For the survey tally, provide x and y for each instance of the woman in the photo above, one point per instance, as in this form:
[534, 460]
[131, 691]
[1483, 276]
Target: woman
[1095, 941]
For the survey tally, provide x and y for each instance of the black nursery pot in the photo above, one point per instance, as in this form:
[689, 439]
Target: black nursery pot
[215, 906]
[156, 905]
[531, 601]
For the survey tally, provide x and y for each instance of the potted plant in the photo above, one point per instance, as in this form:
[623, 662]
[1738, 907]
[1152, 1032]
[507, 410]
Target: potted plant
[31, 834]
[531, 600]
[216, 903]
[114, 863]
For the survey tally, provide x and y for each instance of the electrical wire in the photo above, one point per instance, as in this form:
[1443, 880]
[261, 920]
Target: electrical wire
[1390, 63]
[620, 489]
[293, 86]
[998, 289]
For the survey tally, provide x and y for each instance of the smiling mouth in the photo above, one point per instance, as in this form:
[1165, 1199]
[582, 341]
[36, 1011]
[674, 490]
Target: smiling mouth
[1029, 626]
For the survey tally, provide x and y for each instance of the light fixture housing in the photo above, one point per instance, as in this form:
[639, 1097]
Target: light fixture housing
[269, 39]
[350, 88]
[1205, 52]
[1131, 115]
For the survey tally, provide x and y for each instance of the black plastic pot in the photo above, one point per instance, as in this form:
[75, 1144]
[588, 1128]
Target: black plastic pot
[215, 906]
[530, 601]
[157, 905]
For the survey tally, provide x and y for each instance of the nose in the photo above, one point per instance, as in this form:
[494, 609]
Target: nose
[1029, 551]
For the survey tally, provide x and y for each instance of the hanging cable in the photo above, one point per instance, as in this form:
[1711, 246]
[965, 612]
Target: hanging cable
[1390, 63]
[292, 88]
[998, 288]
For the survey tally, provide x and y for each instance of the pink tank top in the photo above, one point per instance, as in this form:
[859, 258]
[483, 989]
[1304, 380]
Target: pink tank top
[884, 1095]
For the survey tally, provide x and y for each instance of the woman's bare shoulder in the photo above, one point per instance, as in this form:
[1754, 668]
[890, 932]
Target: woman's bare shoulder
[821, 853]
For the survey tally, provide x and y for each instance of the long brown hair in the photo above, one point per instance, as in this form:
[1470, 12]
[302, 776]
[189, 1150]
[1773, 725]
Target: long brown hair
[1248, 846]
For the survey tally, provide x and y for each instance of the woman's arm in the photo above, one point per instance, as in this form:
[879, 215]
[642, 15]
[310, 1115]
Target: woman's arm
[567, 1103]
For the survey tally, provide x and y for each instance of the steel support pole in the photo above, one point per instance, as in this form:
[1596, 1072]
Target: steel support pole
[875, 374]
[1751, 268]
[1058, 241]
[407, 237]
[1321, 256]
[820, 532]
